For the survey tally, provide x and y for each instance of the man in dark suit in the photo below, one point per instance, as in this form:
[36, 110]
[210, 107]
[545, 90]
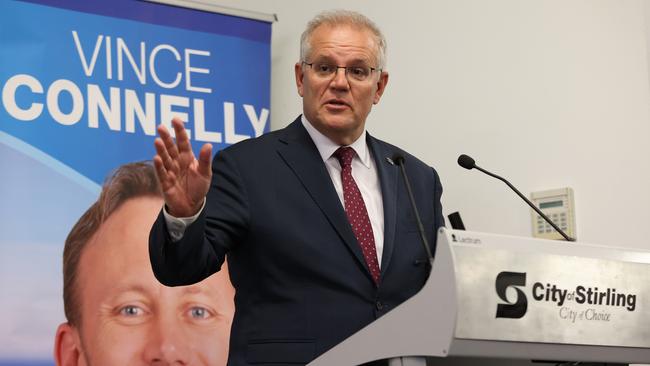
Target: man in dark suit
[315, 217]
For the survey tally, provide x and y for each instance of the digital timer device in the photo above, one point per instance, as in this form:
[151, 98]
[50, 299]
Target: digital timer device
[558, 205]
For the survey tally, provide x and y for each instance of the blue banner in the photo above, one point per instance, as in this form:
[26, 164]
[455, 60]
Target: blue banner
[83, 86]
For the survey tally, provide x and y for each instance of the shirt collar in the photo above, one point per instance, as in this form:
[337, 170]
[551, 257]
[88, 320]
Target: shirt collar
[327, 147]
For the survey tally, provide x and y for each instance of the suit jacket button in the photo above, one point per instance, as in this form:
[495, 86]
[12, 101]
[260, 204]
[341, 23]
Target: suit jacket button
[379, 305]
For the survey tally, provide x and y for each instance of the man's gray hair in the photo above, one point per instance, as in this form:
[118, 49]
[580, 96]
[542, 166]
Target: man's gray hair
[344, 17]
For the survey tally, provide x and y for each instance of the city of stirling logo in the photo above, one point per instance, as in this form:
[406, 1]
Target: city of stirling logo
[511, 309]
[610, 297]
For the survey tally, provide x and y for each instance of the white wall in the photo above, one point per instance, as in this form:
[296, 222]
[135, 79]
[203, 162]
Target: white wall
[546, 93]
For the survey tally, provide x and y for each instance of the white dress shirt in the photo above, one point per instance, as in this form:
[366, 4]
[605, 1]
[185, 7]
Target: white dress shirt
[364, 172]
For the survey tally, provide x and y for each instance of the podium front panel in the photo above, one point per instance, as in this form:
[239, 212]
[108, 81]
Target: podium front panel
[544, 295]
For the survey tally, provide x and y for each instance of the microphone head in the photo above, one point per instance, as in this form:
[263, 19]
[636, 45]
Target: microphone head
[466, 162]
[398, 159]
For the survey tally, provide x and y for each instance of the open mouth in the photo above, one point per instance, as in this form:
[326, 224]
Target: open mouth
[337, 103]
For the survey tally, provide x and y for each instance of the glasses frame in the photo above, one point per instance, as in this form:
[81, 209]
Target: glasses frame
[346, 70]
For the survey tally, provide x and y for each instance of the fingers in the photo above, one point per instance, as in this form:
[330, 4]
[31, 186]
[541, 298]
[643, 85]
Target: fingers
[163, 153]
[168, 141]
[163, 162]
[174, 158]
[162, 174]
[182, 140]
[205, 160]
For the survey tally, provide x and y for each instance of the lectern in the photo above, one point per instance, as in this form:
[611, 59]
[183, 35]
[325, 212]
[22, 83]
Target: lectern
[505, 300]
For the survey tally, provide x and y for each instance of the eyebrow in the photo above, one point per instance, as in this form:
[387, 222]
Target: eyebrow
[210, 292]
[191, 290]
[330, 60]
[132, 288]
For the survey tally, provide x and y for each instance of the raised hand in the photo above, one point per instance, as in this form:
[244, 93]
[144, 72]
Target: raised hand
[184, 179]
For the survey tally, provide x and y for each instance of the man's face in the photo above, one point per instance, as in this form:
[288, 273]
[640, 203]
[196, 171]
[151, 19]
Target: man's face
[128, 317]
[336, 106]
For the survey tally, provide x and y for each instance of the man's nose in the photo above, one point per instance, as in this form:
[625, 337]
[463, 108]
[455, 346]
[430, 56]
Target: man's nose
[340, 79]
[167, 345]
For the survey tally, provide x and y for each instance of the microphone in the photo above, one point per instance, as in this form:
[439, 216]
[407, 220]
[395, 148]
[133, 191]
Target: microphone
[466, 162]
[399, 160]
[469, 164]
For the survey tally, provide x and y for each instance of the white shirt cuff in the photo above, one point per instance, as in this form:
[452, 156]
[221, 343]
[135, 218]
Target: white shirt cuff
[176, 225]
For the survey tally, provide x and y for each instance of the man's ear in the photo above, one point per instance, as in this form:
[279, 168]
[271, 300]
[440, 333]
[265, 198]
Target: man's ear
[298, 70]
[381, 86]
[67, 346]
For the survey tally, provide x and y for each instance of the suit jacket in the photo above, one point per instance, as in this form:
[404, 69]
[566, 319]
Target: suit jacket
[301, 281]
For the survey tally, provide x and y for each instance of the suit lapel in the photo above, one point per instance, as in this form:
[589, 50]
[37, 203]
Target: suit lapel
[388, 177]
[299, 152]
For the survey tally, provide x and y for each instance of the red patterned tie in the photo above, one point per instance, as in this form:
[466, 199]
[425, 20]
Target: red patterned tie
[356, 211]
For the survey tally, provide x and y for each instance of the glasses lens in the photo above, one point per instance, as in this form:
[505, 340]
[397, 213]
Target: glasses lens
[358, 73]
[355, 73]
[324, 70]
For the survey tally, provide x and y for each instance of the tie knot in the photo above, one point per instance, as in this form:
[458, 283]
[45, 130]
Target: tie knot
[345, 156]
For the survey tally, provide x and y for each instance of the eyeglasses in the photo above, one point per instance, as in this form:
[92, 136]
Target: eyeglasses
[353, 73]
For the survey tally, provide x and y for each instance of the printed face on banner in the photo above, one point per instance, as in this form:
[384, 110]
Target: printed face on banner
[128, 317]
[83, 85]
[338, 106]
